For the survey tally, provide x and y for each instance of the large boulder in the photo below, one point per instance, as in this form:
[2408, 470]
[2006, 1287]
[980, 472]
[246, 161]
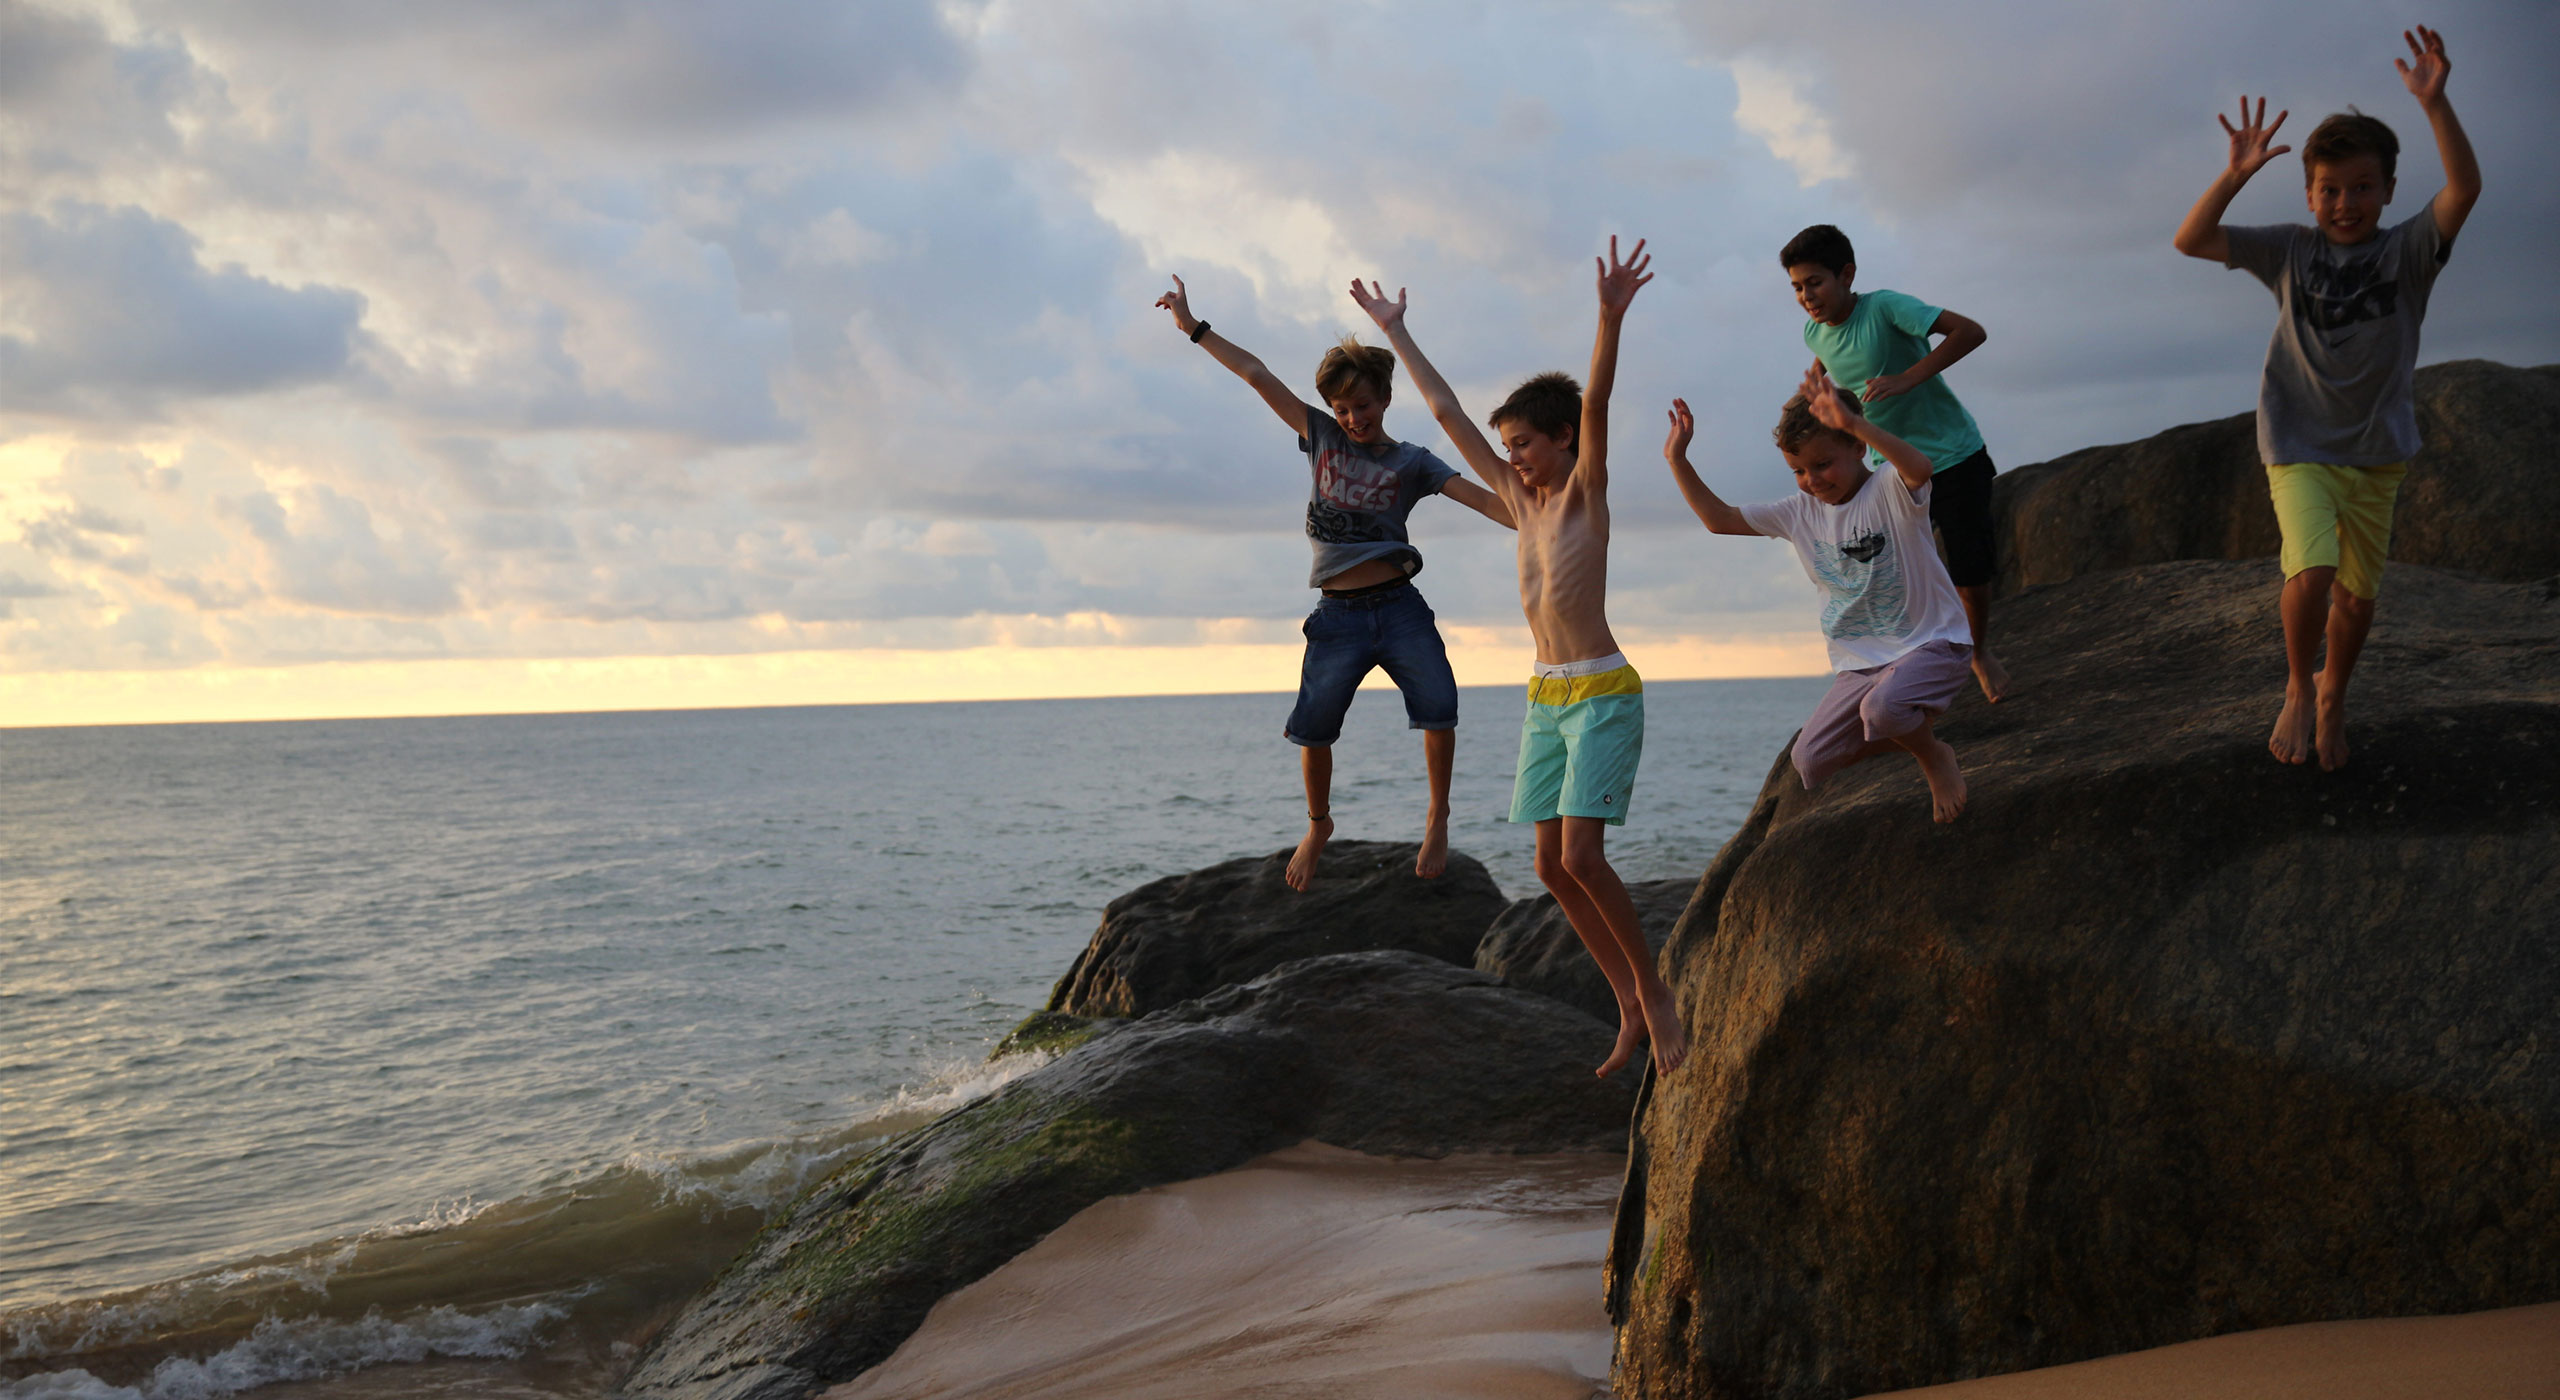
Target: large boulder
[2161, 1039]
[1187, 935]
[2480, 495]
[1388, 1052]
[1532, 945]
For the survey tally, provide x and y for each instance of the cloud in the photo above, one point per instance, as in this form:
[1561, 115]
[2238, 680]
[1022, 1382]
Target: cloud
[108, 312]
[654, 327]
[1768, 105]
[628, 71]
[322, 550]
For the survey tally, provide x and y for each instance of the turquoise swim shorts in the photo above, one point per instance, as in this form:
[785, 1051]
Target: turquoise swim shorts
[1579, 742]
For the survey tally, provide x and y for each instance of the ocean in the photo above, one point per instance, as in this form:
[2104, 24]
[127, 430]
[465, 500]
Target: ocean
[433, 1056]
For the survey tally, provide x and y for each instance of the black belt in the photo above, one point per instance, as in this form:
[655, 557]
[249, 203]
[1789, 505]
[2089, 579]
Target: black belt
[1375, 588]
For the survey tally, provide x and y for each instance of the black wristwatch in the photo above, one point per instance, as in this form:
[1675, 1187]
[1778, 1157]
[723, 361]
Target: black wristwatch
[1199, 331]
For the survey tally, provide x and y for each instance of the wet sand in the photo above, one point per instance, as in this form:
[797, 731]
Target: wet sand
[2511, 1354]
[1316, 1272]
[1310, 1272]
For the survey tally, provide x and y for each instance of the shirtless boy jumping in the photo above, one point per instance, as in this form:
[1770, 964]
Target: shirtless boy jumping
[1585, 726]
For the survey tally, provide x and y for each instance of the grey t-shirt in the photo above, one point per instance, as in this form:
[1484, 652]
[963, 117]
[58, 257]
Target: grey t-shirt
[1361, 494]
[2337, 386]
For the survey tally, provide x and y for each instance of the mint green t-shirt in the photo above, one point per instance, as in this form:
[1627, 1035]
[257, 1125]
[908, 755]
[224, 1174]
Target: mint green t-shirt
[1886, 333]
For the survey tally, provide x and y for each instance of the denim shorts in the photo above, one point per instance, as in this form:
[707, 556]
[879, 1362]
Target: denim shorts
[1348, 636]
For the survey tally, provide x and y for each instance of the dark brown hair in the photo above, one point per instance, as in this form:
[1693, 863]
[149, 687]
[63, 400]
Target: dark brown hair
[1550, 403]
[1797, 425]
[2346, 135]
[1354, 365]
[1822, 245]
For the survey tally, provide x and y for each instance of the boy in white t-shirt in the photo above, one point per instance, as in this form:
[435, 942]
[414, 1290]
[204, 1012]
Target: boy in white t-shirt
[1899, 639]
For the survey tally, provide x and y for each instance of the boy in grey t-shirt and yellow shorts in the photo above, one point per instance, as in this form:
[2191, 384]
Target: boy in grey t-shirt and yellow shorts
[2337, 422]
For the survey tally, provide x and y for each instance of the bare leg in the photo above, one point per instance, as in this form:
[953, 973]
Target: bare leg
[1585, 865]
[1987, 669]
[1592, 928]
[1439, 753]
[2305, 605]
[1947, 789]
[1315, 765]
[2350, 618]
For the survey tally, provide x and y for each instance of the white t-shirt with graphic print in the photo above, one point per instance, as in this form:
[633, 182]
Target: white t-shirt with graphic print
[1884, 590]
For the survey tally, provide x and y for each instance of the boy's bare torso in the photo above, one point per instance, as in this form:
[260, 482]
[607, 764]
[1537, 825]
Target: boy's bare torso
[1564, 572]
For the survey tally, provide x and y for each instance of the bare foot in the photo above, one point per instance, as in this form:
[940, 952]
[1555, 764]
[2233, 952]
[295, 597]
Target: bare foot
[1434, 855]
[1302, 866]
[2331, 707]
[1993, 676]
[1630, 1038]
[1947, 789]
[1662, 1026]
[2291, 743]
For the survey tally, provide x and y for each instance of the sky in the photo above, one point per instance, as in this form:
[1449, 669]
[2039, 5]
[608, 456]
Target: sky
[367, 357]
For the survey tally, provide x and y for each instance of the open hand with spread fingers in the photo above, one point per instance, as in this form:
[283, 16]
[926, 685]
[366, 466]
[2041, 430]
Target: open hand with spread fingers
[2249, 149]
[1619, 280]
[2426, 68]
[1388, 314]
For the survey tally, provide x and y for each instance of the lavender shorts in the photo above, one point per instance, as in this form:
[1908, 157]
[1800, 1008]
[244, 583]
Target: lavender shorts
[1880, 702]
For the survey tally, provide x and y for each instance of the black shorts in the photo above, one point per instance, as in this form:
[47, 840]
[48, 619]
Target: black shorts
[1960, 506]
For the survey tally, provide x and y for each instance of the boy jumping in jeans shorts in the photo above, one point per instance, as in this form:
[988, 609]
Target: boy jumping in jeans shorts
[1371, 615]
[1898, 636]
[2337, 420]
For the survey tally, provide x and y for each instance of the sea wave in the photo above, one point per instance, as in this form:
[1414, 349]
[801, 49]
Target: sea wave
[582, 1266]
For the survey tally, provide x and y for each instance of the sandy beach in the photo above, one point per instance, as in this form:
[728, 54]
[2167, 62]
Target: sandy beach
[2509, 1354]
[1310, 1272]
[1319, 1272]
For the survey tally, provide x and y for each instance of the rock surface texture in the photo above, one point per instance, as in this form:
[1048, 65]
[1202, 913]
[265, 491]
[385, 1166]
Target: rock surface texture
[1532, 946]
[1187, 935]
[1387, 1052]
[2161, 1039]
[2480, 496]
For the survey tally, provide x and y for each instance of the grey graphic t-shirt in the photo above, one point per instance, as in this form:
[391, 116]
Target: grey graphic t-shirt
[1360, 496]
[2337, 382]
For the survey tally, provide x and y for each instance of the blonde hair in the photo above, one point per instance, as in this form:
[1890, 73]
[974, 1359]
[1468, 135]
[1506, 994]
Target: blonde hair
[1354, 365]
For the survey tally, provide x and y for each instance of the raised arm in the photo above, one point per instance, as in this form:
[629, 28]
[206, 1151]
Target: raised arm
[1832, 409]
[1712, 512]
[1618, 282]
[1291, 409]
[1480, 500]
[1437, 395]
[2425, 79]
[2201, 236]
[1963, 335]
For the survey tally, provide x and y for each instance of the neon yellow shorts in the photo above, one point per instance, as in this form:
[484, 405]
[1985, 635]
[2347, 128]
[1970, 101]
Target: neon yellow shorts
[2336, 517]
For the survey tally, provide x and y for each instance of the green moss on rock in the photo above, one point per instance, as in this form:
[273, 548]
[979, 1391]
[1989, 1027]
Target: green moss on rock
[1052, 1032]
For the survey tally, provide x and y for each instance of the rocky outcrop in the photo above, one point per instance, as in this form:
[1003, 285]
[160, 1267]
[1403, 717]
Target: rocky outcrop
[2162, 1039]
[2479, 497]
[1187, 935]
[1388, 1052]
[1532, 946]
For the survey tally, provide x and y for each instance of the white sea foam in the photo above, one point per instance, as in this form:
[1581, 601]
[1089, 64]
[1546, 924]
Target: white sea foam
[66, 1385]
[307, 1349]
[764, 1176]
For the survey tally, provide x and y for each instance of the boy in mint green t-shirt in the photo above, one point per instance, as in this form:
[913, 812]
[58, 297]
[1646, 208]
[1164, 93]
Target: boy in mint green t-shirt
[1876, 345]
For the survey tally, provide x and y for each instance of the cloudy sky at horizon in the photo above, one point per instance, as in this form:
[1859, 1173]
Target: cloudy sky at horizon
[364, 333]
